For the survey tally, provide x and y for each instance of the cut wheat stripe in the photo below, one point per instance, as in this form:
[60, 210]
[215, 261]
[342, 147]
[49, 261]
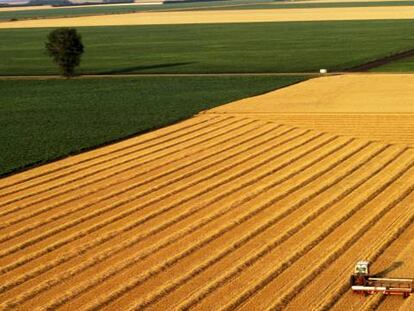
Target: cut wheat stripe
[47, 172]
[288, 287]
[101, 162]
[48, 283]
[395, 261]
[330, 251]
[57, 204]
[303, 205]
[279, 214]
[232, 224]
[227, 178]
[388, 264]
[299, 244]
[381, 235]
[303, 141]
[405, 269]
[168, 174]
[73, 192]
[238, 269]
[129, 194]
[146, 157]
[392, 227]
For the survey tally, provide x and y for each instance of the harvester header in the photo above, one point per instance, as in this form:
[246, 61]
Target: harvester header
[363, 282]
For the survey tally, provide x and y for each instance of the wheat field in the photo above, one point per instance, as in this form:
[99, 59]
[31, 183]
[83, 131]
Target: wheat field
[223, 211]
[221, 16]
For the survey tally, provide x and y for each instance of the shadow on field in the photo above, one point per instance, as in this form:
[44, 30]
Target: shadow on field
[384, 272]
[140, 68]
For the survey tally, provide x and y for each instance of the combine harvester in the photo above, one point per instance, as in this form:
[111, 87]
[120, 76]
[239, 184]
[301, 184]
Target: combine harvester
[363, 282]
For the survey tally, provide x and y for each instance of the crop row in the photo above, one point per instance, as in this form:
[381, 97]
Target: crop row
[218, 236]
[206, 205]
[54, 171]
[288, 231]
[116, 165]
[354, 213]
[48, 249]
[126, 183]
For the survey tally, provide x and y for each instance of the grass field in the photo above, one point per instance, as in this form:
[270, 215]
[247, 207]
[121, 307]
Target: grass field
[257, 47]
[214, 5]
[44, 120]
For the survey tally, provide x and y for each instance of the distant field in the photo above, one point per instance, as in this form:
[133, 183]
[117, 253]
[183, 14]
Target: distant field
[316, 5]
[46, 119]
[257, 47]
[180, 17]
[214, 5]
[114, 9]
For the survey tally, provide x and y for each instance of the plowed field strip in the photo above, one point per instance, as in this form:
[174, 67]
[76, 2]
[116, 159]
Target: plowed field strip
[281, 165]
[381, 236]
[152, 155]
[168, 174]
[302, 141]
[276, 250]
[291, 185]
[389, 194]
[47, 172]
[275, 229]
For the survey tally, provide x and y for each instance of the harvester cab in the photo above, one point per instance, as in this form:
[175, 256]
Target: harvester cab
[361, 273]
[363, 282]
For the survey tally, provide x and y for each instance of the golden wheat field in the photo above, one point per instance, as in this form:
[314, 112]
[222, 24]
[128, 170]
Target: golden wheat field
[224, 16]
[223, 211]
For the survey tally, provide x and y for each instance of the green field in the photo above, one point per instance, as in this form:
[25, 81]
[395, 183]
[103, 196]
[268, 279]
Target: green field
[44, 120]
[214, 48]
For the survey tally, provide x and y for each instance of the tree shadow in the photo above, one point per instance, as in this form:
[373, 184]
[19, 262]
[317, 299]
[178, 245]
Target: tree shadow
[140, 68]
[393, 266]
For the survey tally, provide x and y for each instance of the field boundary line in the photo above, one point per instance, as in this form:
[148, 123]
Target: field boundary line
[123, 162]
[164, 174]
[69, 165]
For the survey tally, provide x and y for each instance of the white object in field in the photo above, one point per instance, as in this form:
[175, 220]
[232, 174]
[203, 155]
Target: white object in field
[323, 71]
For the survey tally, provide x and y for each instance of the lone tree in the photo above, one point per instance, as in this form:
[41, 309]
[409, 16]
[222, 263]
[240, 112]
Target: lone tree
[65, 46]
